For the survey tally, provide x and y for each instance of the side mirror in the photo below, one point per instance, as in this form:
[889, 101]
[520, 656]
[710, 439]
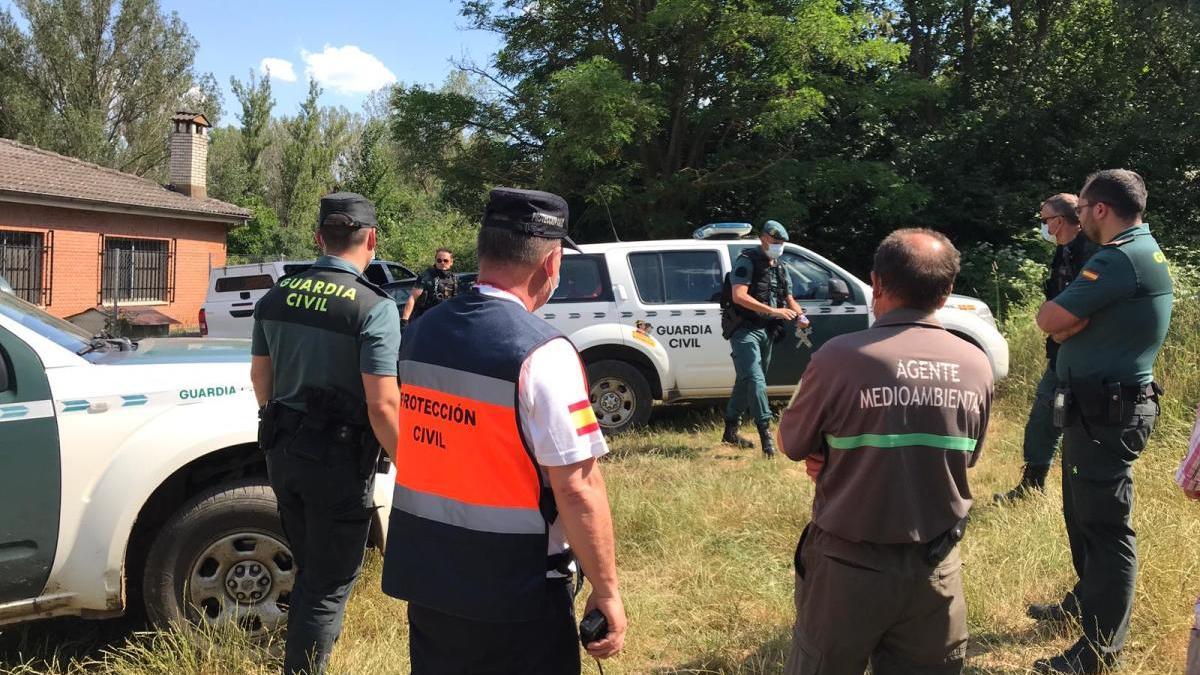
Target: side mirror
[839, 292]
[5, 384]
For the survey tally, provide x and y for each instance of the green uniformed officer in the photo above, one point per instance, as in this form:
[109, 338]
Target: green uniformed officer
[1060, 225]
[1111, 323]
[434, 285]
[327, 407]
[762, 303]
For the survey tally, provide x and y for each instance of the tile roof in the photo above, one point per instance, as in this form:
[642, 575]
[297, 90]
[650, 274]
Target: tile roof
[26, 170]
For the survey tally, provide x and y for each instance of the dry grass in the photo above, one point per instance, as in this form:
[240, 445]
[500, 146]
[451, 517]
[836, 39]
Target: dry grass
[706, 536]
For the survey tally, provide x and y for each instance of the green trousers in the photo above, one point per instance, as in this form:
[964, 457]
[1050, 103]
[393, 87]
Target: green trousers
[1041, 436]
[751, 351]
[1097, 505]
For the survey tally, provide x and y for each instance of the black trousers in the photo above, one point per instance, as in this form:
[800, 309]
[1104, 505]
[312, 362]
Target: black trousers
[442, 644]
[1097, 505]
[326, 505]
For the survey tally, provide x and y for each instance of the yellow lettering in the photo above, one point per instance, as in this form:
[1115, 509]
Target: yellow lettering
[349, 293]
[331, 289]
[318, 286]
[306, 286]
[291, 300]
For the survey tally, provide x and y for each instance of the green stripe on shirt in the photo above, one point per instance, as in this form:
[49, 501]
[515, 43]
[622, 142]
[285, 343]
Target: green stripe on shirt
[956, 443]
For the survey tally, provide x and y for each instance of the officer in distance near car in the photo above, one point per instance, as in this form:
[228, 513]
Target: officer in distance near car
[756, 305]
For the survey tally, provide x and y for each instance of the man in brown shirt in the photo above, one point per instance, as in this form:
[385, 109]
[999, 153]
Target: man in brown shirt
[888, 420]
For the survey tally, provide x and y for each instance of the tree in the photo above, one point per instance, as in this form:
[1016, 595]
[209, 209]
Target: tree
[94, 79]
[254, 97]
[672, 112]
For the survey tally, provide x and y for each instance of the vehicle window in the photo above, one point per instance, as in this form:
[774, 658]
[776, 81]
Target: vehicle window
[61, 333]
[582, 279]
[810, 281]
[252, 283]
[399, 272]
[677, 277]
[376, 275]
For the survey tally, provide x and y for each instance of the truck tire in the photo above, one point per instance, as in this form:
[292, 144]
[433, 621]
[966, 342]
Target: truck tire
[222, 558]
[620, 395]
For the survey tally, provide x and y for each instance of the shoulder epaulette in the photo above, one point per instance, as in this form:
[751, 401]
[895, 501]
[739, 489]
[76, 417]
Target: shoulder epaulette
[1120, 242]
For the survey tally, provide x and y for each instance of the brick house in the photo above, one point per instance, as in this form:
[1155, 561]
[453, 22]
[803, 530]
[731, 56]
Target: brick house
[75, 236]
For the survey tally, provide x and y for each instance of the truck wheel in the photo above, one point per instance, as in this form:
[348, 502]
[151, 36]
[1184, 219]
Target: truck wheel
[620, 395]
[222, 559]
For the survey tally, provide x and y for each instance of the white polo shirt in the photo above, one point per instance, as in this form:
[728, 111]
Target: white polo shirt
[555, 410]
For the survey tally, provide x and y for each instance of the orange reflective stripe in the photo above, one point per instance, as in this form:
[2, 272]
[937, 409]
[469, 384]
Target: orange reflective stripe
[463, 449]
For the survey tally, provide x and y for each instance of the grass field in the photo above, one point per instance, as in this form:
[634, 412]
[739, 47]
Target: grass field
[706, 535]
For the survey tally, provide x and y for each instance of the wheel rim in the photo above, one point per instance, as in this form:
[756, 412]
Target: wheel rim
[245, 579]
[613, 401]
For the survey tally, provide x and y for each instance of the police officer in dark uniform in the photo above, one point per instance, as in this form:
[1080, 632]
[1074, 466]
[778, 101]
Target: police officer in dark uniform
[1061, 226]
[1111, 323]
[761, 305]
[435, 285]
[325, 347]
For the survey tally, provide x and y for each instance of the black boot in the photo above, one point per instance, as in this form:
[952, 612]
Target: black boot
[768, 443]
[731, 437]
[1033, 477]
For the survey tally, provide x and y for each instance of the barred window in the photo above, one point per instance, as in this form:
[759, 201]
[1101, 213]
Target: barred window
[23, 261]
[136, 270]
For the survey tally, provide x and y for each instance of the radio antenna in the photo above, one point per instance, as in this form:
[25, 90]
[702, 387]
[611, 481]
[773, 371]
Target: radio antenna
[611, 226]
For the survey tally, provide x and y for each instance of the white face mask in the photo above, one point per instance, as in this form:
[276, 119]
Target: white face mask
[554, 285]
[774, 251]
[1046, 234]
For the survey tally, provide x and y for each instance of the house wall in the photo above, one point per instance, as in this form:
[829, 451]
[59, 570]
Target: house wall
[77, 240]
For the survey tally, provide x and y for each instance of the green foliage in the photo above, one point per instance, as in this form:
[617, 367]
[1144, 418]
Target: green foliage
[97, 79]
[254, 97]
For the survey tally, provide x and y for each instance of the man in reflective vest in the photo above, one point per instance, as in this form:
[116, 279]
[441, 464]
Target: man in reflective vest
[497, 483]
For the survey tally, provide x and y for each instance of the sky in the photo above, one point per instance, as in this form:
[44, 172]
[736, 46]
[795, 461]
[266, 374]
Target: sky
[351, 47]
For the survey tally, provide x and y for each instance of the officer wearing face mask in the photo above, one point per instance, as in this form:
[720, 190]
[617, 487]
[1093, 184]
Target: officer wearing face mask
[1060, 226]
[761, 308]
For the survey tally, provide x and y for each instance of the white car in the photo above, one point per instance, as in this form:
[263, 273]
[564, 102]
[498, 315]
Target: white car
[130, 473]
[228, 309]
[646, 319]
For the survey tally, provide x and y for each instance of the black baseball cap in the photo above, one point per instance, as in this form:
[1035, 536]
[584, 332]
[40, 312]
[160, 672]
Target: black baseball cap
[354, 206]
[531, 212]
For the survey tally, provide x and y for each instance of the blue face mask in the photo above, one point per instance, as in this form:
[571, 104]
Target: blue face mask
[1046, 234]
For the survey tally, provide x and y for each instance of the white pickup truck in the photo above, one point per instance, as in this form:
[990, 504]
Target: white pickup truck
[129, 473]
[646, 318]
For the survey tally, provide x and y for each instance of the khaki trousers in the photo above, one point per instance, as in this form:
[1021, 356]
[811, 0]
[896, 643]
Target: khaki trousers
[882, 604]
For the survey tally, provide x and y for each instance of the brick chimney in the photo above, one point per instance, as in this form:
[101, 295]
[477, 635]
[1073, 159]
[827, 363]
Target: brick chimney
[189, 154]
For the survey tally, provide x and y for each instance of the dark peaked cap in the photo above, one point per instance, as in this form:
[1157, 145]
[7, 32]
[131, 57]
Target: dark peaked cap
[354, 206]
[531, 212]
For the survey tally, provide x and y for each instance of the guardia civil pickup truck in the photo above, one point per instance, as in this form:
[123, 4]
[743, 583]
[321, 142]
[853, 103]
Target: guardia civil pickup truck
[646, 318]
[130, 476]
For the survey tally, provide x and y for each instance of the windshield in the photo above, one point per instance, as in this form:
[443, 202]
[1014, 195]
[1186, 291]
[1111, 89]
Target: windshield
[62, 333]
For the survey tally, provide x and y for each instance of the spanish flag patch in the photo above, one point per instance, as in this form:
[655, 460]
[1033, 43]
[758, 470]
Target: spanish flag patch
[584, 418]
[1089, 275]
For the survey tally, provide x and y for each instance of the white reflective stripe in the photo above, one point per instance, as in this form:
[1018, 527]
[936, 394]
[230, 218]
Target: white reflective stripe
[813, 310]
[470, 516]
[27, 410]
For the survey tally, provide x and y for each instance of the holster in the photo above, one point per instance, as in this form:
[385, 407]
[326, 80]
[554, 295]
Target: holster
[1105, 403]
[731, 321]
[268, 425]
[940, 546]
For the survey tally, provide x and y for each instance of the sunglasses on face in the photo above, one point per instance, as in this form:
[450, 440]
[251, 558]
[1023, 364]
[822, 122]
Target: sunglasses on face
[1047, 219]
[444, 260]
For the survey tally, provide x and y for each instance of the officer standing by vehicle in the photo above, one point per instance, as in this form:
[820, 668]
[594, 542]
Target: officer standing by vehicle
[756, 319]
[1111, 323]
[324, 353]
[435, 285]
[1060, 225]
[888, 420]
[496, 471]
